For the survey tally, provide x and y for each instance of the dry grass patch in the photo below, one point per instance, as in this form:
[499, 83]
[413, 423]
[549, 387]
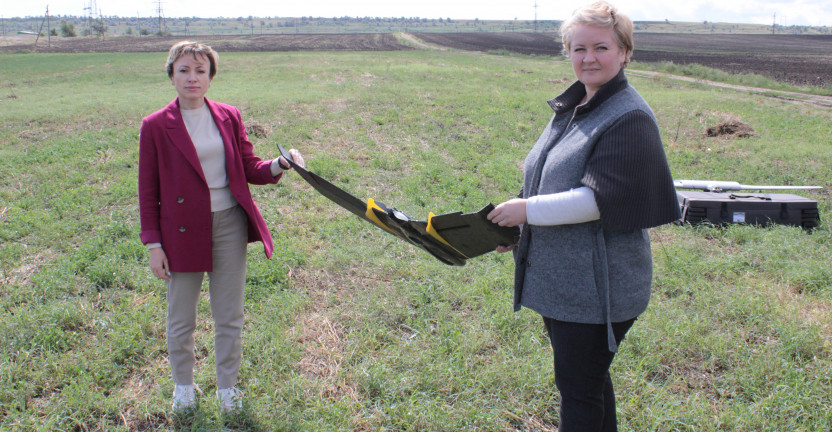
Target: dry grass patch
[319, 333]
[42, 130]
[815, 312]
[21, 274]
[136, 387]
[529, 424]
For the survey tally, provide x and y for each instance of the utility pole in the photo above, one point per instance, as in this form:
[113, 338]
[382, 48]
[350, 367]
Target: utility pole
[774, 23]
[101, 24]
[535, 16]
[45, 20]
[87, 29]
[159, 12]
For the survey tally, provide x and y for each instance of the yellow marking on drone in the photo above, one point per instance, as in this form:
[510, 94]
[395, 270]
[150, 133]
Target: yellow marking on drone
[433, 233]
[371, 204]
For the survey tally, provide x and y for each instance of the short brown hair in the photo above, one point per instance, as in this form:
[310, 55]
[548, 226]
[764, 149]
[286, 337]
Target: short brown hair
[600, 14]
[194, 49]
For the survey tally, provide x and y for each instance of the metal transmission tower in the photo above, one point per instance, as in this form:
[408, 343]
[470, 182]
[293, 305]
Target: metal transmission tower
[535, 16]
[89, 9]
[161, 15]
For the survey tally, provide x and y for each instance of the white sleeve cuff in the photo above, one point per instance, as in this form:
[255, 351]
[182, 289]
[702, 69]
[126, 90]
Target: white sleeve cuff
[275, 166]
[153, 245]
[569, 207]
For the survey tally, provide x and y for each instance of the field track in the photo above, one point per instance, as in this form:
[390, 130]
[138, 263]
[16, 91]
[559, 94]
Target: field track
[817, 100]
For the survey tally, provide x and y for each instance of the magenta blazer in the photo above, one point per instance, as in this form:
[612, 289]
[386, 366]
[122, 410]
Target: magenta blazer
[174, 201]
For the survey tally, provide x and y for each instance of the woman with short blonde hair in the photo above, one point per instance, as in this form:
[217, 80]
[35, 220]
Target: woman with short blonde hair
[600, 14]
[593, 184]
[194, 49]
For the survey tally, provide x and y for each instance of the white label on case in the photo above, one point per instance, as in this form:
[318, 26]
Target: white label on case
[739, 217]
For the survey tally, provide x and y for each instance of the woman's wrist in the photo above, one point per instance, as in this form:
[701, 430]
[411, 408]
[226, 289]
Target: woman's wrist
[275, 167]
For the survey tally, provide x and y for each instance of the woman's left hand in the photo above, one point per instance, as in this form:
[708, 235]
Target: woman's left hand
[504, 249]
[296, 157]
[510, 213]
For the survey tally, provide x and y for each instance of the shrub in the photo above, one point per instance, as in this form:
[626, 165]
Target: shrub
[68, 29]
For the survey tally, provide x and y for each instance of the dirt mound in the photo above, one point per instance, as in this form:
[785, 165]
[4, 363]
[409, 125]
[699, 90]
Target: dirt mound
[731, 128]
[258, 130]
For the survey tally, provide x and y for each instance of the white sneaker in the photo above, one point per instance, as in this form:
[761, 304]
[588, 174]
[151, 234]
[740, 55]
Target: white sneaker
[184, 396]
[231, 399]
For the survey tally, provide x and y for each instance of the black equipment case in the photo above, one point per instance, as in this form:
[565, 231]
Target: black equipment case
[720, 208]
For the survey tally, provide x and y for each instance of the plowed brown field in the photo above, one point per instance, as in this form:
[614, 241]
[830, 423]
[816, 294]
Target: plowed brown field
[792, 59]
[298, 42]
[798, 60]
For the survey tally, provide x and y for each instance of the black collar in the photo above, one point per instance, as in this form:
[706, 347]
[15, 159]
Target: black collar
[570, 98]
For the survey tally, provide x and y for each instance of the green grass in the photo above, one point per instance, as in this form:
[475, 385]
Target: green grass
[351, 329]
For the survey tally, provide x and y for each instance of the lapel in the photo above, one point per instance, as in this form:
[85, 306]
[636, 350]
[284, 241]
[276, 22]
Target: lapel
[178, 136]
[223, 122]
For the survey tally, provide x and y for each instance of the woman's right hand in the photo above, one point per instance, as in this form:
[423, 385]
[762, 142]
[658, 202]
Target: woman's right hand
[510, 213]
[159, 263]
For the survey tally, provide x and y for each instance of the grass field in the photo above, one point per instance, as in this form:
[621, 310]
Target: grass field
[350, 329]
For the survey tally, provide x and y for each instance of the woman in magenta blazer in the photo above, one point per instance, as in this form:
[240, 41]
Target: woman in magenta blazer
[197, 216]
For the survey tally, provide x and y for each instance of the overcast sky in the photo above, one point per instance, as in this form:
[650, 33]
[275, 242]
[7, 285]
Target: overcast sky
[783, 12]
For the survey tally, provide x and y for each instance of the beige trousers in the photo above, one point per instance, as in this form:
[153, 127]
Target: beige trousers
[226, 291]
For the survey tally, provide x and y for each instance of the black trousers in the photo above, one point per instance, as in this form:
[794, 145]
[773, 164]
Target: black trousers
[582, 374]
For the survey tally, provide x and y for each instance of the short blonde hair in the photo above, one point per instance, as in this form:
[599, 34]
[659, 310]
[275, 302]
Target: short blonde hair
[193, 48]
[600, 14]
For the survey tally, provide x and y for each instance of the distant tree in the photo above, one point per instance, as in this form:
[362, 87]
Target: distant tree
[99, 27]
[53, 32]
[68, 29]
[129, 31]
[144, 32]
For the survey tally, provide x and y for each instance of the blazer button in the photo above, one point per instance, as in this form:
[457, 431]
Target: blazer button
[182, 228]
[180, 200]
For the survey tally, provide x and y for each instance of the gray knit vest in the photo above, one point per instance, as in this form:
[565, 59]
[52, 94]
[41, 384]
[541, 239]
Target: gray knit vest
[583, 272]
